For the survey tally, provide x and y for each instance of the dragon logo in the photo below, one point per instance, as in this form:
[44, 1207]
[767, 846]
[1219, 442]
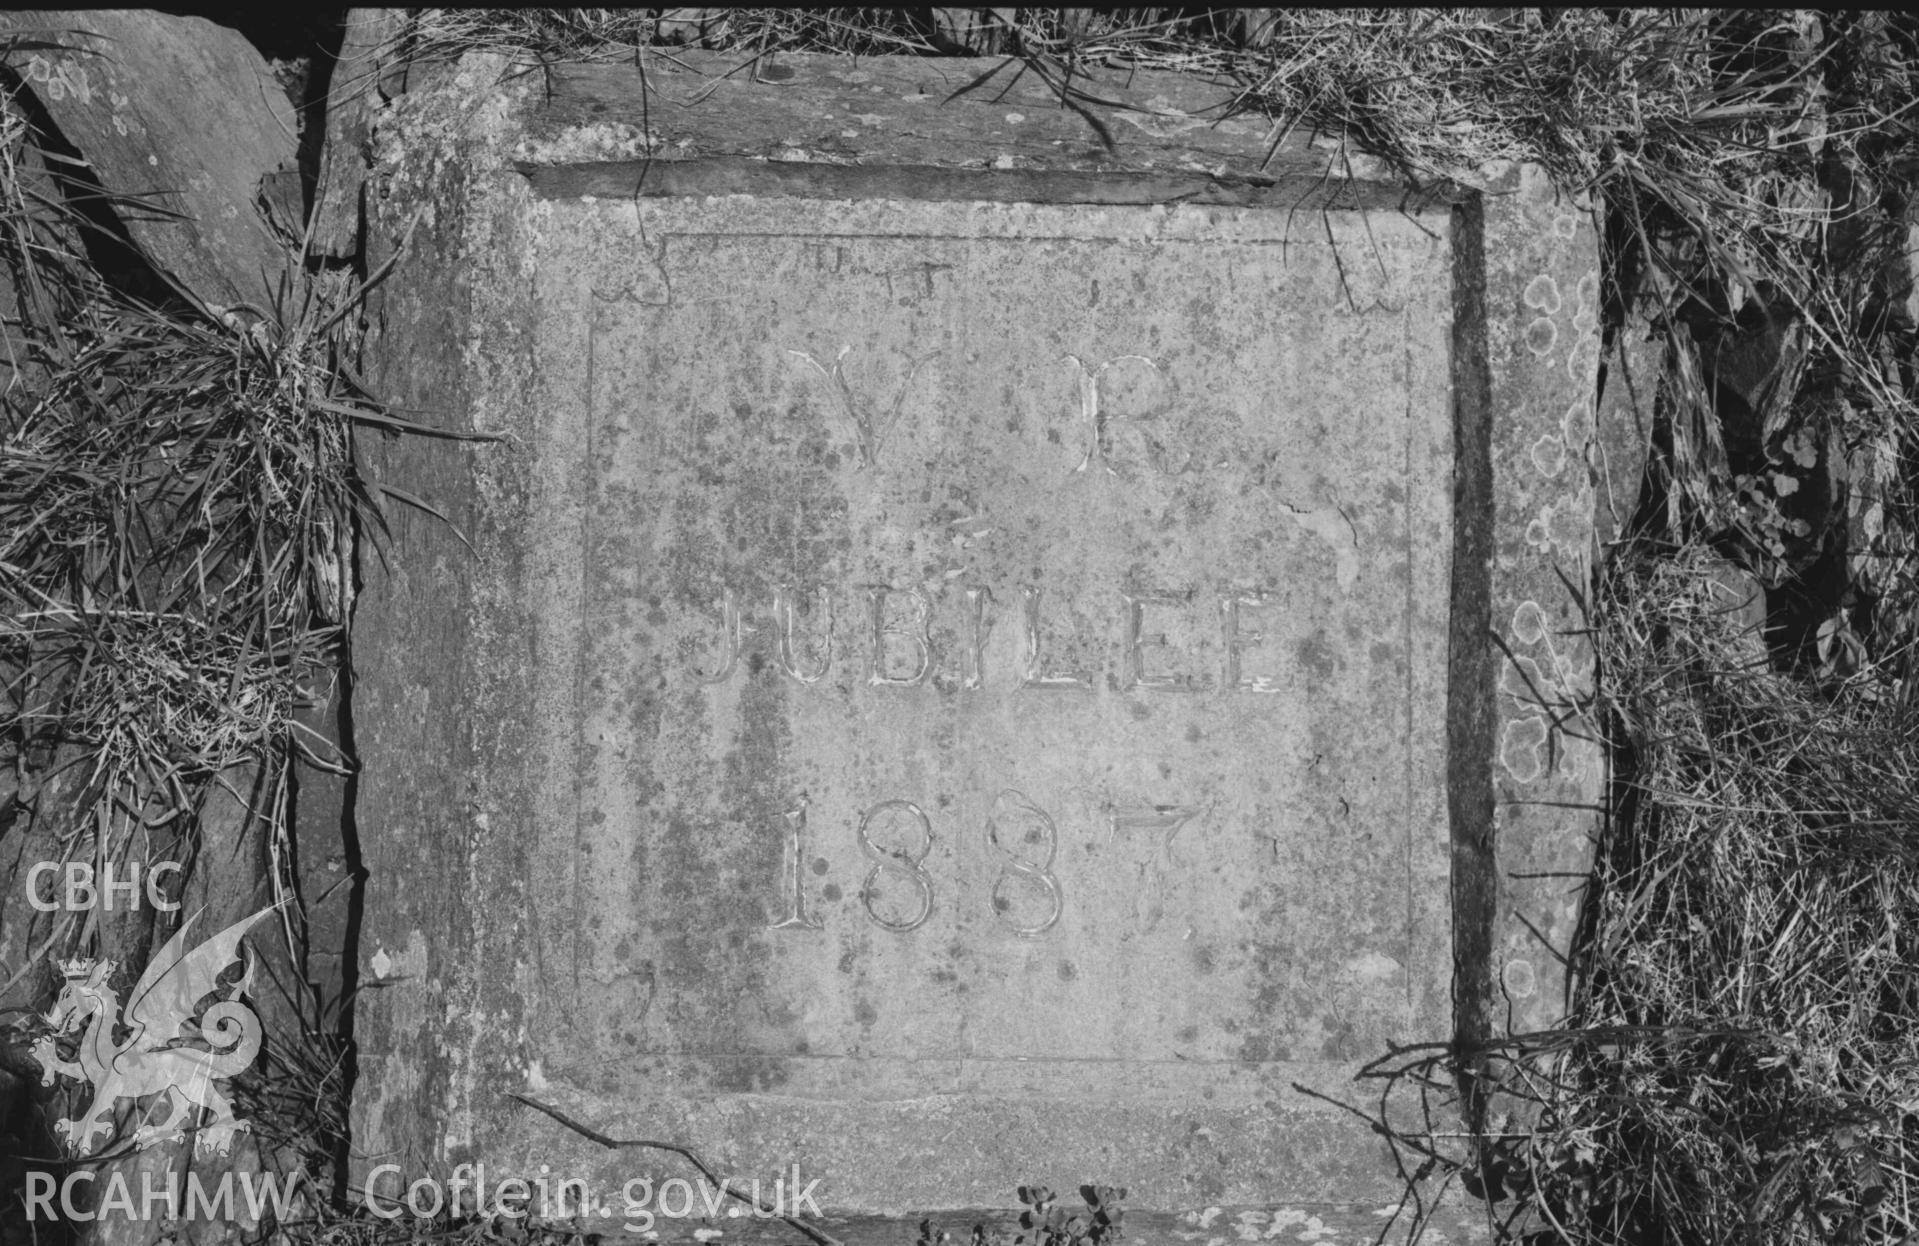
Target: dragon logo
[155, 1058]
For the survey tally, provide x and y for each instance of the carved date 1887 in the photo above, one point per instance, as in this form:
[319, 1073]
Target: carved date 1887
[1025, 894]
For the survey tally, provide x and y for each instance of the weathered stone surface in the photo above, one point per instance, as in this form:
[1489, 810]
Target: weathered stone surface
[1529, 764]
[912, 115]
[688, 25]
[967, 32]
[846, 744]
[363, 77]
[16, 370]
[1902, 275]
[182, 114]
[1088, 607]
[1622, 439]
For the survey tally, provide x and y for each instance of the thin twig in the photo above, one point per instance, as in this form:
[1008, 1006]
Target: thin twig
[712, 1178]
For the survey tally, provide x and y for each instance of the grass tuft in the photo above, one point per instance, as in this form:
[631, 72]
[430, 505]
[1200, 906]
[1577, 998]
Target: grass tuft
[178, 507]
[177, 499]
[1740, 1062]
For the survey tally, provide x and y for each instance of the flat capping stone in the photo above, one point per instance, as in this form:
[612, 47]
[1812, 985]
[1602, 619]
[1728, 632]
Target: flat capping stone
[986, 129]
[735, 175]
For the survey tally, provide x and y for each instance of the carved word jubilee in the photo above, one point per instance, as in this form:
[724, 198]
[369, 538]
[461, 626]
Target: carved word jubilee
[902, 655]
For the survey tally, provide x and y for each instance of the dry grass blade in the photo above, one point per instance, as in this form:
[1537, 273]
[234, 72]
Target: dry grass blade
[1741, 1062]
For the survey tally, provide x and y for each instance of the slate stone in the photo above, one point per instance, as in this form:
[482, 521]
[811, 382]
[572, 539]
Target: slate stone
[181, 113]
[363, 77]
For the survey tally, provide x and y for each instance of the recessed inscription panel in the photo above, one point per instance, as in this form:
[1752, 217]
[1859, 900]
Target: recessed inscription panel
[1010, 652]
